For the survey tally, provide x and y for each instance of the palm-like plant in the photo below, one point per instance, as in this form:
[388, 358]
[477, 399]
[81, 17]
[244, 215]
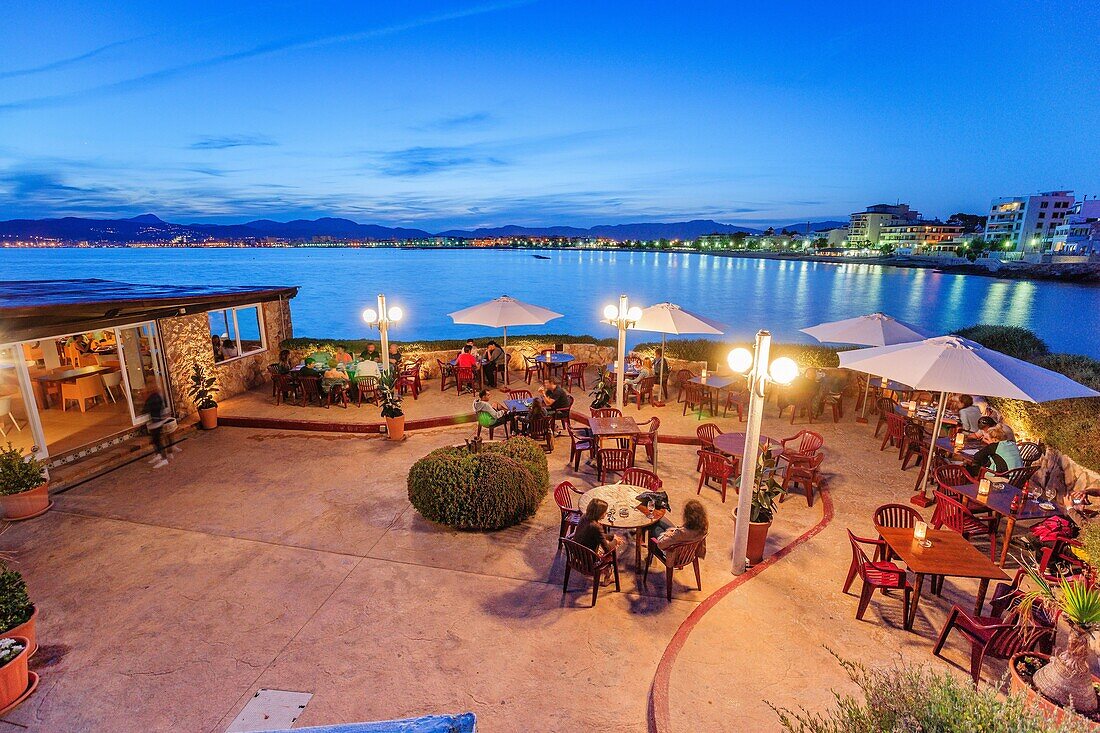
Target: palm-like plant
[1067, 680]
[391, 395]
[202, 387]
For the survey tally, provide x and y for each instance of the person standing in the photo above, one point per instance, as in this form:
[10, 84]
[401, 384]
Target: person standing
[154, 408]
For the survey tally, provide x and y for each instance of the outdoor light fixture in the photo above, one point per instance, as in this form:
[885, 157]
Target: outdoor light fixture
[624, 316]
[381, 319]
[754, 365]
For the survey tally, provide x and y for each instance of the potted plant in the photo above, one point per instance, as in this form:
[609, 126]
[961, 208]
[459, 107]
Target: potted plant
[17, 613]
[1064, 679]
[764, 494]
[391, 404]
[14, 677]
[601, 390]
[201, 390]
[24, 491]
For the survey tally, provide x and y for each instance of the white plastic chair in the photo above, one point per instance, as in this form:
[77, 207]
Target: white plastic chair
[113, 380]
[5, 411]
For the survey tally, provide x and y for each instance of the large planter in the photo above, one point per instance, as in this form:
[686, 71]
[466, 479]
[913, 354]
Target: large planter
[758, 537]
[14, 679]
[26, 504]
[25, 630]
[208, 418]
[1054, 712]
[395, 427]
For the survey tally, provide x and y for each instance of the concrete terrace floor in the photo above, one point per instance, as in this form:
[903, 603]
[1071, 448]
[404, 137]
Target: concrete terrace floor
[292, 560]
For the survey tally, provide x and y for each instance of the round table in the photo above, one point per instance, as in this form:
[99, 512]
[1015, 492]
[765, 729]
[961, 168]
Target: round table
[619, 496]
[555, 358]
[734, 443]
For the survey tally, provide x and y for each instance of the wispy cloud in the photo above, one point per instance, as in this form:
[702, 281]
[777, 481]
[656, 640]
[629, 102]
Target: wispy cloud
[474, 120]
[223, 142]
[296, 43]
[72, 60]
[419, 161]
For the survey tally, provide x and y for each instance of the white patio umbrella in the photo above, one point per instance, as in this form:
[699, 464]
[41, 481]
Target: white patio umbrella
[953, 364]
[503, 312]
[873, 329]
[666, 318]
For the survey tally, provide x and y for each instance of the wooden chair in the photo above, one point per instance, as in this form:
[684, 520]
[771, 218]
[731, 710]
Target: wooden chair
[606, 412]
[876, 575]
[695, 398]
[643, 391]
[310, 390]
[1030, 452]
[885, 407]
[682, 379]
[366, 390]
[716, 467]
[674, 558]
[82, 389]
[570, 515]
[574, 374]
[580, 559]
[643, 478]
[446, 375]
[649, 438]
[993, 638]
[613, 460]
[579, 444]
[806, 473]
[955, 516]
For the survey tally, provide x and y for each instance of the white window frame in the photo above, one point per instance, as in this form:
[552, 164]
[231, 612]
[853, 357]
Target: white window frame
[237, 330]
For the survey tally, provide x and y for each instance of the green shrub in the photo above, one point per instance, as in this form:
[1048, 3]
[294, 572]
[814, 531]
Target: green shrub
[716, 352]
[528, 453]
[354, 346]
[483, 491]
[1012, 340]
[916, 699]
[15, 605]
[19, 473]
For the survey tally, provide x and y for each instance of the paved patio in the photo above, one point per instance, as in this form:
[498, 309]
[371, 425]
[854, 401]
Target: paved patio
[293, 560]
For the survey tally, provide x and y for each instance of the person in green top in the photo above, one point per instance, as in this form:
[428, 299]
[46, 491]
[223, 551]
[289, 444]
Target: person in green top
[999, 454]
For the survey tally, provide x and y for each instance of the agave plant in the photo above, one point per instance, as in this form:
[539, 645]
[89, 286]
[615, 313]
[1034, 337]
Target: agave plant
[391, 395]
[1067, 680]
[601, 390]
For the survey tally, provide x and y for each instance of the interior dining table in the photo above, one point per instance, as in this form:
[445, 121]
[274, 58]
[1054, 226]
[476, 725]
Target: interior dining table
[67, 375]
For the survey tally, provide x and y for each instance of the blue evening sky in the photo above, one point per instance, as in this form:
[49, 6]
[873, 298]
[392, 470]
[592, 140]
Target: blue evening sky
[460, 114]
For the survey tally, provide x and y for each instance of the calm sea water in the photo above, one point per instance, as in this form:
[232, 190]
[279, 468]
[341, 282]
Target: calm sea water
[748, 294]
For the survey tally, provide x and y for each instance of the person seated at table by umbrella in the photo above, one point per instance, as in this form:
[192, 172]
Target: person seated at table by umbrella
[984, 426]
[466, 358]
[664, 534]
[368, 368]
[497, 414]
[371, 353]
[494, 357]
[645, 370]
[969, 413]
[283, 366]
[558, 401]
[309, 370]
[473, 348]
[999, 454]
[536, 409]
[342, 355]
[592, 535]
[395, 356]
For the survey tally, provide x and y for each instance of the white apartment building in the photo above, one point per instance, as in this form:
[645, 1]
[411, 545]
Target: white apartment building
[865, 227]
[918, 237]
[1079, 234]
[1023, 223]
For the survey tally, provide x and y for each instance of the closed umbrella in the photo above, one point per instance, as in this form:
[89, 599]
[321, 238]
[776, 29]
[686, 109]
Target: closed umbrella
[953, 364]
[873, 329]
[666, 318]
[503, 312]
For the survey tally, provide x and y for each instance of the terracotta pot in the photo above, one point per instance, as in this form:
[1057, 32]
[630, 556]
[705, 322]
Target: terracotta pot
[26, 630]
[13, 676]
[208, 418]
[1053, 712]
[395, 427]
[758, 537]
[26, 504]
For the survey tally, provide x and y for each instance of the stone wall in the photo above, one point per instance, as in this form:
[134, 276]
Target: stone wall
[1060, 468]
[186, 340]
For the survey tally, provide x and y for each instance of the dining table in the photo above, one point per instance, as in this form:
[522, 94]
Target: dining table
[889, 385]
[624, 512]
[67, 375]
[949, 554]
[607, 428]
[713, 384]
[734, 443]
[965, 453]
[555, 361]
[518, 406]
[999, 502]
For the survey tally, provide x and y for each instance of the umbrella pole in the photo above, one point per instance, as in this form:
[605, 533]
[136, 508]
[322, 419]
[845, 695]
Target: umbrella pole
[659, 379]
[866, 394]
[506, 357]
[921, 497]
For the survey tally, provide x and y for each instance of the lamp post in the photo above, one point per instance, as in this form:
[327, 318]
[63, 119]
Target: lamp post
[754, 365]
[381, 319]
[624, 316]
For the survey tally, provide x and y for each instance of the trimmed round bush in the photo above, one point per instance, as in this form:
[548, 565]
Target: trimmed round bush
[1012, 340]
[494, 489]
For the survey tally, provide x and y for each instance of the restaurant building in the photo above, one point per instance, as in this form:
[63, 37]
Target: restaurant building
[79, 357]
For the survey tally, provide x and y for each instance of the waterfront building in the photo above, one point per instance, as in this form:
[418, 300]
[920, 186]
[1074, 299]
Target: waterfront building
[1023, 223]
[918, 237]
[78, 357]
[835, 238]
[865, 227]
[1079, 234]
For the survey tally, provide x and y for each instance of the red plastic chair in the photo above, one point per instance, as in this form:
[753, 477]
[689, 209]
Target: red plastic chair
[574, 374]
[643, 478]
[606, 412]
[955, 516]
[446, 375]
[716, 467]
[586, 562]
[570, 515]
[464, 378]
[875, 574]
[408, 380]
[1016, 477]
[539, 430]
[804, 445]
[531, 369]
[673, 558]
[895, 432]
[706, 433]
[737, 399]
[885, 407]
[579, 444]
[613, 460]
[805, 472]
[682, 379]
[994, 638]
[519, 394]
[901, 516]
[648, 439]
[695, 398]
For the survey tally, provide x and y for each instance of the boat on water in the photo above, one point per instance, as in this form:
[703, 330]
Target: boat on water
[540, 257]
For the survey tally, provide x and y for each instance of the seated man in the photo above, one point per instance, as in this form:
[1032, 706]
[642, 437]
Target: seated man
[494, 359]
[496, 414]
[473, 348]
[368, 368]
[371, 353]
[309, 370]
[466, 358]
[557, 400]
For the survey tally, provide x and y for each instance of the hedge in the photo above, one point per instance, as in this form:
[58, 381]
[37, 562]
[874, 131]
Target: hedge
[1012, 340]
[525, 340]
[715, 352]
[496, 488]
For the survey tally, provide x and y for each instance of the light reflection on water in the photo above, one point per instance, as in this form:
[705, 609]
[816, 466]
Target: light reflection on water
[746, 293]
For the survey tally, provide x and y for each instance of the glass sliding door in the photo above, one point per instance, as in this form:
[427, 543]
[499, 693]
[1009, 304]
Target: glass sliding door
[139, 351]
[19, 422]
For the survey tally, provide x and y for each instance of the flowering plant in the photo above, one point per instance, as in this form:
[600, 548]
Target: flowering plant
[10, 649]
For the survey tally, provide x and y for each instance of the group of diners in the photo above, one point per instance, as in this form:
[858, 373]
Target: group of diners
[532, 415]
[473, 362]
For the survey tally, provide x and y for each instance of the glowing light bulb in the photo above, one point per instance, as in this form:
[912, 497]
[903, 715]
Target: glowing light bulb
[370, 315]
[396, 313]
[611, 312]
[634, 314]
[740, 359]
[783, 370]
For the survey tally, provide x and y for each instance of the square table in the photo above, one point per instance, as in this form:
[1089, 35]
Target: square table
[714, 384]
[999, 501]
[612, 427]
[66, 375]
[951, 554]
[523, 405]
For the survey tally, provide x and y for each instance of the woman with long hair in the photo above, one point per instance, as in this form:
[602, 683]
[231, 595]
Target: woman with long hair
[695, 525]
[591, 534]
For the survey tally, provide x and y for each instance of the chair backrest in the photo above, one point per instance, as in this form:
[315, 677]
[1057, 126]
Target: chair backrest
[684, 376]
[563, 495]
[548, 352]
[895, 425]
[950, 513]
[273, 369]
[464, 374]
[641, 477]
[614, 459]
[685, 553]
[519, 394]
[311, 386]
[859, 557]
[1013, 637]
[914, 433]
[897, 515]
[654, 425]
[707, 432]
[645, 386]
[580, 558]
[577, 368]
[950, 475]
[886, 405]
[538, 427]
[1017, 477]
[1029, 452]
[809, 442]
[112, 379]
[605, 412]
[444, 367]
[367, 384]
[715, 464]
[634, 360]
[694, 394]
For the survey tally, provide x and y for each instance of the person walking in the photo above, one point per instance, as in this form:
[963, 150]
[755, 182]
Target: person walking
[154, 408]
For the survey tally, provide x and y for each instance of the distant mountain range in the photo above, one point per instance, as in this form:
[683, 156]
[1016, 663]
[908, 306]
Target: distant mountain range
[151, 228]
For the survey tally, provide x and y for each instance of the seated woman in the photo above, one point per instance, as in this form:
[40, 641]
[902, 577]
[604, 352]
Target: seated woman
[999, 454]
[645, 370]
[283, 366]
[592, 535]
[664, 534]
[229, 348]
[342, 355]
[969, 413]
[536, 410]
